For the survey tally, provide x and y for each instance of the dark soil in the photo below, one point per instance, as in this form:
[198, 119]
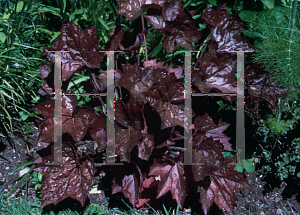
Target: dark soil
[13, 154]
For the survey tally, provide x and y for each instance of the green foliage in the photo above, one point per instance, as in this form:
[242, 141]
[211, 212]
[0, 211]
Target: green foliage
[280, 127]
[19, 59]
[283, 160]
[222, 105]
[247, 164]
[86, 14]
[285, 164]
[22, 179]
[279, 45]
[37, 177]
[247, 15]
[21, 207]
[268, 3]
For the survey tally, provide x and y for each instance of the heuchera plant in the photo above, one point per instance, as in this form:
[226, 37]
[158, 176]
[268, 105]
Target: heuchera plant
[149, 146]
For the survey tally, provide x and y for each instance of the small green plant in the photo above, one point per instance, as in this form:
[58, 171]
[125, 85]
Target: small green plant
[37, 178]
[222, 105]
[247, 164]
[286, 164]
[280, 127]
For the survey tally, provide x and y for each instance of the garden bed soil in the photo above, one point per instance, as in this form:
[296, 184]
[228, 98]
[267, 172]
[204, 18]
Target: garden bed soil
[13, 154]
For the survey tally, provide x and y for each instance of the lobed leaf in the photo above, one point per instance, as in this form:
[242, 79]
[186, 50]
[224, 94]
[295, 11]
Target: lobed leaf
[73, 179]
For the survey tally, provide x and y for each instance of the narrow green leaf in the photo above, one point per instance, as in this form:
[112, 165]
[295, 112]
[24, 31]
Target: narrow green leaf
[9, 118]
[21, 108]
[77, 12]
[22, 179]
[78, 81]
[49, 9]
[55, 35]
[103, 23]
[196, 16]
[166, 212]
[188, 3]
[64, 5]
[252, 34]
[20, 167]
[117, 94]
[103, 109]
[156, 50]
[46, 31]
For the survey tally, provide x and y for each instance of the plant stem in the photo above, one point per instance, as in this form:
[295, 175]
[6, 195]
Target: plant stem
[280, 109]
[141, 176]
[143, 24]
[96, 87]
[291, 111]
[203, 47]
[38, 117]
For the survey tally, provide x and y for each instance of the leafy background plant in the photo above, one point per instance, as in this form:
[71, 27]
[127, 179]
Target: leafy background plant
[20, 56]
[278, 43]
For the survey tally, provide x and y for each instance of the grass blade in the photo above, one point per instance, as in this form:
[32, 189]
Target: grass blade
[20, 167]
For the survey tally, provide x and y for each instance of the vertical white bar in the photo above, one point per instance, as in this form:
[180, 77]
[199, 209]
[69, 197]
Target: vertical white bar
[240, 114]
[187, 109]
[57, 110]
[110, 109]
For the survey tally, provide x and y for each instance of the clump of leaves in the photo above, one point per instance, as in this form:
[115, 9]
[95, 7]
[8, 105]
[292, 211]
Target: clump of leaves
[286, 161]
[38, 179]
[149, 122]
[280, 127]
